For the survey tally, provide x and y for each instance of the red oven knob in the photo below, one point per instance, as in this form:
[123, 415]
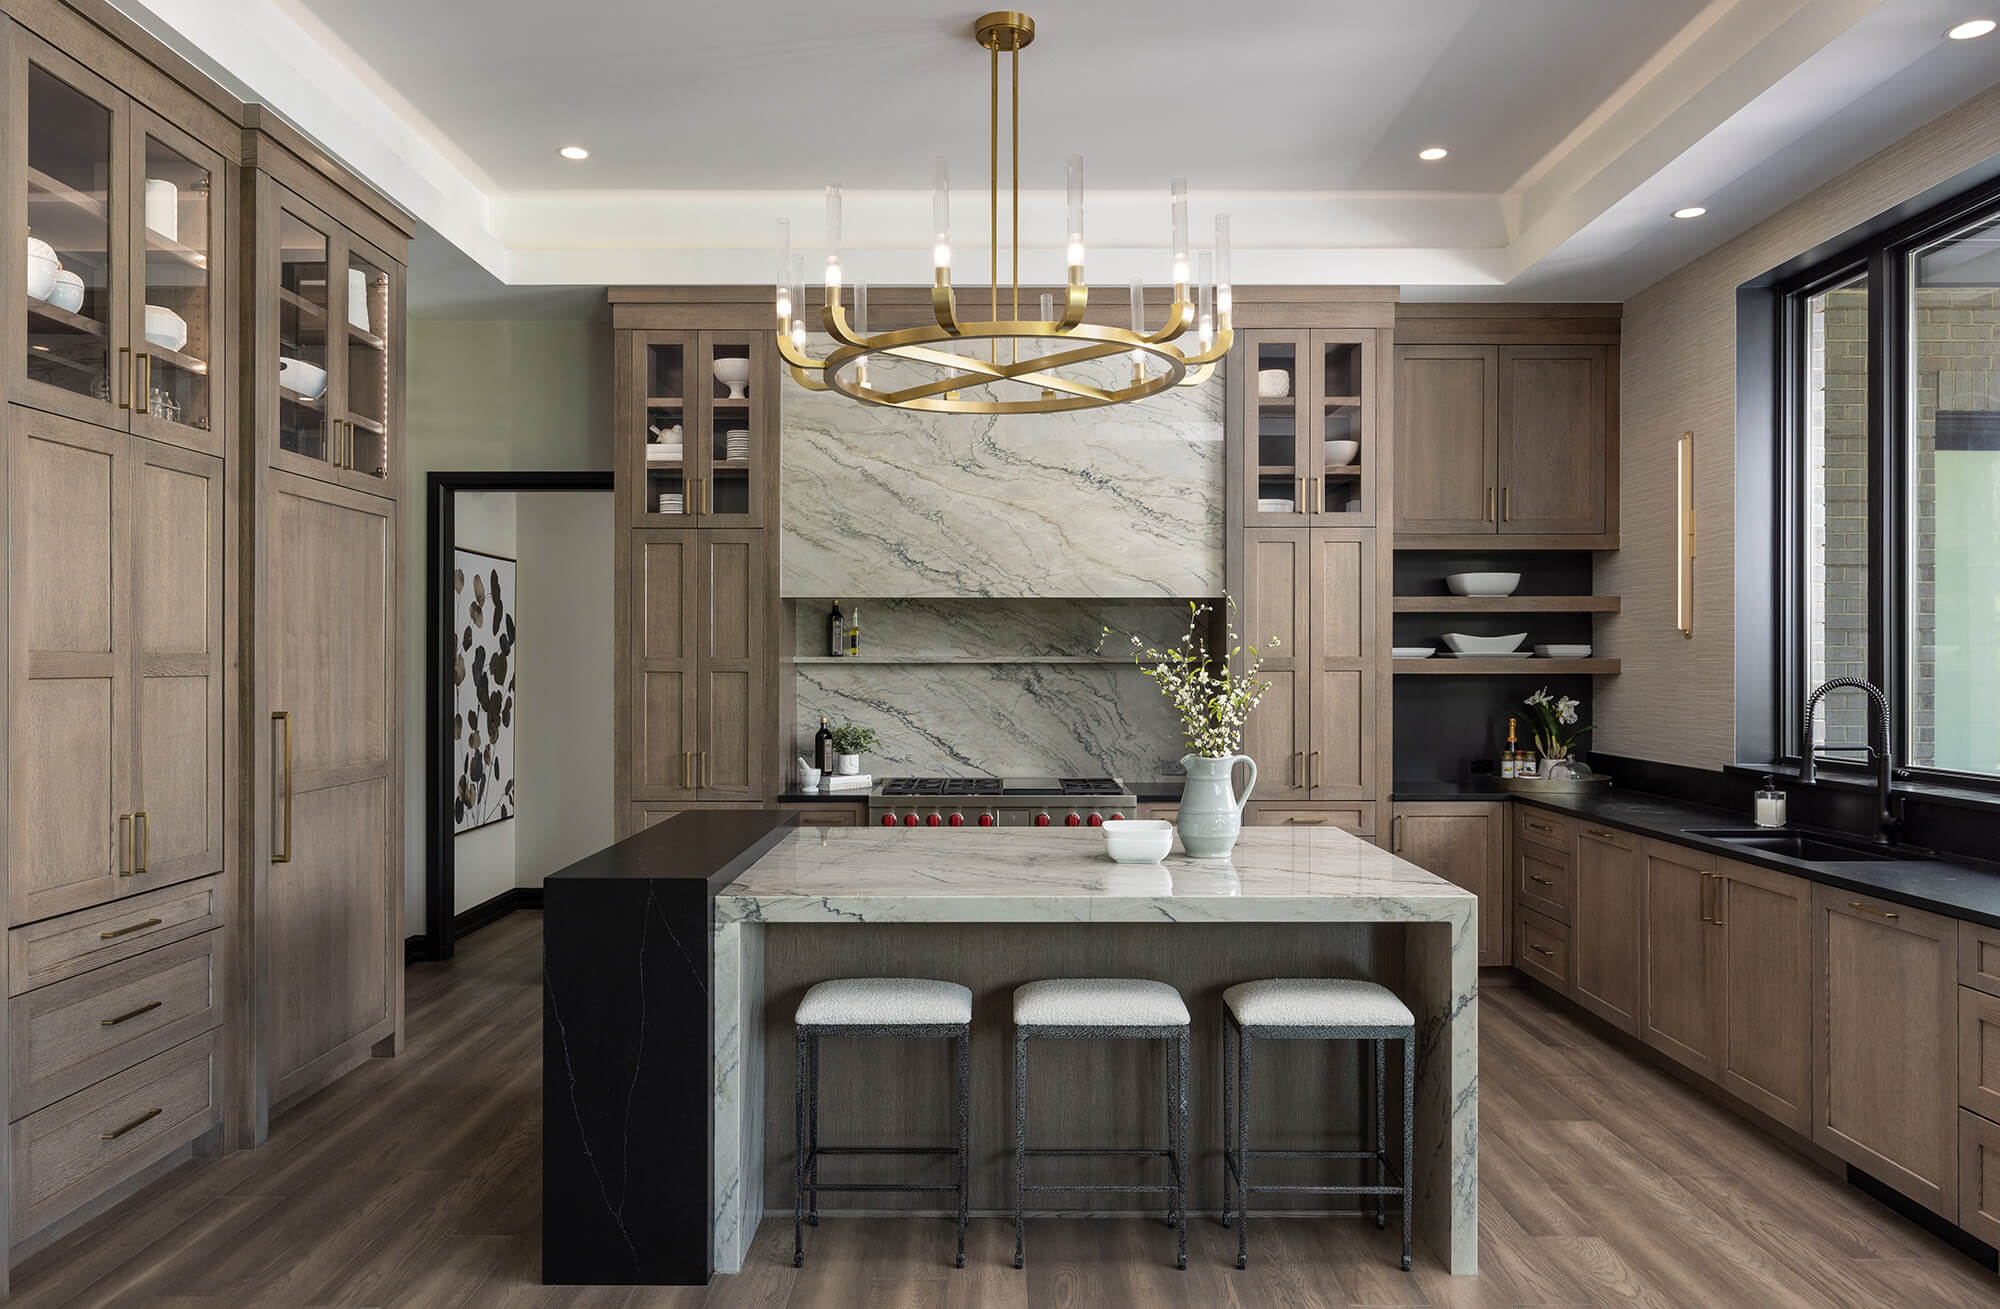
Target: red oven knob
[957, 819]
[1041, 820]
[1112, 818]
[986, 820]
[888, 820]
[1097, 820]
[935, 820]
[1074, 820]
[909, 820]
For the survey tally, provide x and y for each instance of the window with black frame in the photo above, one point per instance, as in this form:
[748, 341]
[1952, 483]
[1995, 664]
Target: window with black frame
[1892, 458]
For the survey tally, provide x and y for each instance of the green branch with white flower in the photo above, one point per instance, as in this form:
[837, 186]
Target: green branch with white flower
[1213, 697]
[1556, 732]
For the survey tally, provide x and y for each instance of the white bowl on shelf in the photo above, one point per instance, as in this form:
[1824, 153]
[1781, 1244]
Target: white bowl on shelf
[166, 328]
[734, 373]
[68, 291]
[1563, 651]
[1341, 454]
[1273, 383]
[1138, 840]
[42, 266]
[308, 380]
[1413, 651]
[1482, 583]
[1463, 644]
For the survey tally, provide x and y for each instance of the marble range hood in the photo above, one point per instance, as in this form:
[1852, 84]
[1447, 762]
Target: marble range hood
[1118, 502]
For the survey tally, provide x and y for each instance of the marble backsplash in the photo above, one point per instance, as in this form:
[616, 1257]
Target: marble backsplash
[1123, 501]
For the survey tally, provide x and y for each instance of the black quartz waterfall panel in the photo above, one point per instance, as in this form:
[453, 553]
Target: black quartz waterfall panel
[626, 1040]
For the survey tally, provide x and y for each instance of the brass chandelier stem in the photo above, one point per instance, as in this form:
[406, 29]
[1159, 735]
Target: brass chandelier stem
[993, 192]
[1016, 106]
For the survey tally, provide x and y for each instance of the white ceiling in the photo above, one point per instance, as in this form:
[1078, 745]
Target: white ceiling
[1574, 127]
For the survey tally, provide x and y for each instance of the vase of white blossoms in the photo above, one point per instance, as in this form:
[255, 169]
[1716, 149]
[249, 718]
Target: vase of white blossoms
[1556, 731]
[1214, 698]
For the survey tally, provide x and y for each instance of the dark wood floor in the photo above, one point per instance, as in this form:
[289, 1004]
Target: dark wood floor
[415, 1182]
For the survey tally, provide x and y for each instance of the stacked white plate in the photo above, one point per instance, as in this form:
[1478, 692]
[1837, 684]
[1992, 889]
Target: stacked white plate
[1413, 651]
[736, 444]
[672, 502]
[665, 454]
[1563, 651]
[1275, 506]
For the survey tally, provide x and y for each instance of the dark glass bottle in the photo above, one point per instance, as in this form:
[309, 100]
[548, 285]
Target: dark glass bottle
[836, 641]
[823, 749]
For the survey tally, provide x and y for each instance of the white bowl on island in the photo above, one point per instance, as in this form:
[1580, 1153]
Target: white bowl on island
[1482, 583]
[1461, 644]
[733, 372]
[1138, 840]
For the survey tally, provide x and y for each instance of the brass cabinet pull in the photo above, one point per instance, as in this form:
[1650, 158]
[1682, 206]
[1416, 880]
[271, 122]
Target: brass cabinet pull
[1296, 819]
[1319, 773]
[127, 931]
[1395, 834]
[1319, 496]
[1600, 833]
[125, 353]
[142, 383]
[1543, 880]
[1489, 506]
[127, 1017]
[125, 845]
[284, 716]
[1542, 950]
[1543, 828]
[1506, 504]
[142, 823]
[140, 1121]
[1871, 909]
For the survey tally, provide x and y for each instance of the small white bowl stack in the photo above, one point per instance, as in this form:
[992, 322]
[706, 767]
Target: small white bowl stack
[1138, 840]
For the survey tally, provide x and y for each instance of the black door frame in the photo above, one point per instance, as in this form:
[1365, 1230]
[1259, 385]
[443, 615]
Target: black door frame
[440, 873]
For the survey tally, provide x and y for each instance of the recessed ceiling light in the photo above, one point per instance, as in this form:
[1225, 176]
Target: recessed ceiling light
[1433, 153]
[1692, 211]
[574, 152]
[1972, 28]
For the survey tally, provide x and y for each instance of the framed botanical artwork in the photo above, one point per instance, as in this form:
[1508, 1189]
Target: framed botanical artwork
[482, 673]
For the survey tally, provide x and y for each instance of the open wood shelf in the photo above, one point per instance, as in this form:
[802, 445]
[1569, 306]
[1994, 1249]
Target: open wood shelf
[159, 243]
[74, 322]
[363, 337]
[1507, 604]
[306, 307]
[368, 424]
[1535, 666]
[664, 402]
[177, 358]
[290, 396]
[46, 190]
[1342, 401]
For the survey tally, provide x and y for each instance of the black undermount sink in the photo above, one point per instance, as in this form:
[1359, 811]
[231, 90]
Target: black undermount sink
[1812, 847]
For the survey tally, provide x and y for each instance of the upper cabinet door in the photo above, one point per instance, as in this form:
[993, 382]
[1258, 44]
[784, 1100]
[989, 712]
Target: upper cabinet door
[1281, 464]
[179, 319]
[370, 298]
[656, 411]
[1343, 448]
[736, 429]
[1447, 438]
[67, 175]
[299, 251]
[1553, 433]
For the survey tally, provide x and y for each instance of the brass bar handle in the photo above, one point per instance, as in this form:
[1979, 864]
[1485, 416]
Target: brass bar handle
[128, 1017]
[1308, 821]
[142, 824]
[1543, 880]
[1542, 828]
[1871, 909]
[1506, 504]
[127, 931]
[140, 1121]
[142, 385]
[284, 716]
[1542, 950]
[1395, 834]
[1600, 833]
[124, 845]
[125, 354]
[1319, 773]
[1490, 516]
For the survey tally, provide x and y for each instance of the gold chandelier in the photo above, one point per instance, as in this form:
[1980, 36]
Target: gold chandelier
[1024, 363]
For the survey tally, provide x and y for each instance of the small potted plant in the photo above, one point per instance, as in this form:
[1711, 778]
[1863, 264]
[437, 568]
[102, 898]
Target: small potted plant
[850, 742]
[1556, 730]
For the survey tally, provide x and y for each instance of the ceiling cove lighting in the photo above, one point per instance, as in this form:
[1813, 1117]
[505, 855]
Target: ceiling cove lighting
[1972, 29]
[1691, 211]
[574, 152]
[1431, 154]
[961, 366]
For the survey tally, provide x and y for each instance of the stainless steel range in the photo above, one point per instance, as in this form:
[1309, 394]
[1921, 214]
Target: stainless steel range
[999, 802]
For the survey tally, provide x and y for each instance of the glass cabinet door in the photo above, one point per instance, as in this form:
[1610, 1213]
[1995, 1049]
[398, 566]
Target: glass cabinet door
[366, 295]
[734, 422]
[72, 294]
[303, 318]
[664, 405]
[1278, 429]
[177, 318]
[1345, 410]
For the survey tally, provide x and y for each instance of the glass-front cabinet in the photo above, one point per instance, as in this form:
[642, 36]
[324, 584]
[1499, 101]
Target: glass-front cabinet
[329, 325]
[702, 428]
[1308, 416]
[119, 216]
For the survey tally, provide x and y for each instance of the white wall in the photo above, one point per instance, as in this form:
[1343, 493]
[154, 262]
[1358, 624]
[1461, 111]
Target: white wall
[483, 859]
[562, 698]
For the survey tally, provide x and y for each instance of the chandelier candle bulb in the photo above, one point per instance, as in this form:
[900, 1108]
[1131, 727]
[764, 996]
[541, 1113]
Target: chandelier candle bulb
[940, 215]
[785, 301]
[833, 244]
[1179, 193]
[1075, 218]
[1222, 284]
[861, 329]
[1204, 304]
[799, 301]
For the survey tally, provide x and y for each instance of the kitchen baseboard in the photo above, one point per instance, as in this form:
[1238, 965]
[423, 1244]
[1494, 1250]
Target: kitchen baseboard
[416, 948]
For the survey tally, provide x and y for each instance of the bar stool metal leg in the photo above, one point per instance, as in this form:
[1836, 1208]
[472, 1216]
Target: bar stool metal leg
[1170, 1052]
[1409, 1134]
[1020, 1144]
[1228, 1123]
[1242, 1147]
[1181, 1150]
[1381, 1131]
[799, 1153]
[964, 1137]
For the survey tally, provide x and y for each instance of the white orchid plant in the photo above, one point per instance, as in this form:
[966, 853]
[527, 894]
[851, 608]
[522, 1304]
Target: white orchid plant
[1214, 696]
[1556, 732]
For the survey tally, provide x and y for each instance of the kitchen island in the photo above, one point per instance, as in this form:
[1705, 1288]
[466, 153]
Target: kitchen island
[995, 908]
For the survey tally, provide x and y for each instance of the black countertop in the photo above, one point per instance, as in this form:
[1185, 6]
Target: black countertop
[701, 844]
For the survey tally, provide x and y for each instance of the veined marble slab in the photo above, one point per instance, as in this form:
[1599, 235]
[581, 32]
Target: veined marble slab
[1123, 501]
[1029, 875]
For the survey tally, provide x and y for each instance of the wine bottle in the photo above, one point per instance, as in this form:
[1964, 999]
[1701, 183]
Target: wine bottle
[836, 640]
[854, 633]
[1510, 760]
[823, 749]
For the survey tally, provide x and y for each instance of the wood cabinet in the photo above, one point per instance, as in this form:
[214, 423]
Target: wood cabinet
[1682, 959]
[1979, 1052]
[1762, 923]
[1462, 842]
[115, 695]
[1356, 818]
[1308, 452]
[1506, 440]
[1885, 1066]
[132, 334]
[1979, 1177]
[1607, 898]
[700, 451]
[1314, 735]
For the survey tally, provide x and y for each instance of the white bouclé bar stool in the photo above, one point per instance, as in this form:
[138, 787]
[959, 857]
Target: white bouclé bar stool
[1313, 1009]
[875, 1006]
[1105, 1008]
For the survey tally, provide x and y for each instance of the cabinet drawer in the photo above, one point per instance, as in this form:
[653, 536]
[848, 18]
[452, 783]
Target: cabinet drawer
[1544, 881]
[1541, 949]
[81, 1146]
[1544, 828]
[64, 1037]
[824, 814]
[1979, 957]
[56, 948]
[1979, 1052]
[1356, 818]
[1979, 1177]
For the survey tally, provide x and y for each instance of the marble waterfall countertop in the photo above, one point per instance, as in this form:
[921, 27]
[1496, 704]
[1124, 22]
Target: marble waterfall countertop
[970, 875]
